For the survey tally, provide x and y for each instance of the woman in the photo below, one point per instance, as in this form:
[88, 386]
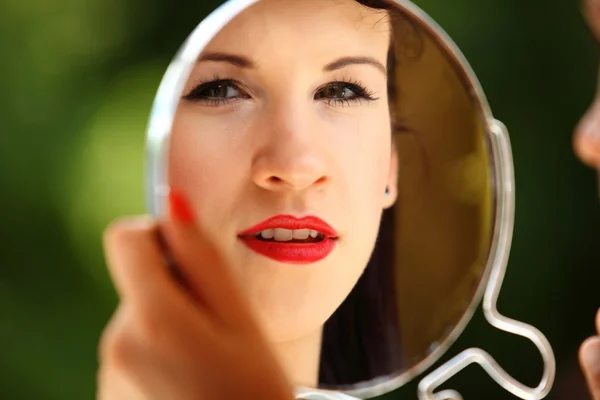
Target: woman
[189, 341]
[587, 146]
[272, 151]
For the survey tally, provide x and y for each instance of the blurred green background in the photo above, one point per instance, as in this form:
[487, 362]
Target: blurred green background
[77, 80]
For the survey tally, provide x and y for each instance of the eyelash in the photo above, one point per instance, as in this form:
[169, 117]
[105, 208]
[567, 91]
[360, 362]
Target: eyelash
[360, 92]
[196, 94]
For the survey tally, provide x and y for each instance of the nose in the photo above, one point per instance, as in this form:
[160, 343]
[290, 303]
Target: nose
[586, 141]
[591, 11]
[291, 156]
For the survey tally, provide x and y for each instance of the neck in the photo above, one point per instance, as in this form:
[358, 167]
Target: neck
[300, 359]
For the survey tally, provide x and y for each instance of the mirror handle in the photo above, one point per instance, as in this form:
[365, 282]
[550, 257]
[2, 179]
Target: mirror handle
[505, 213]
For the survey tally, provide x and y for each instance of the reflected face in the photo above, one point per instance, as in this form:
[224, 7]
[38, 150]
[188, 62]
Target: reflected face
[286, 114]
[587, 135]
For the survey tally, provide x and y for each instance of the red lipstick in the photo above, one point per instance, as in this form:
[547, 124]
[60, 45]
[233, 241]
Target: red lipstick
[304, 251]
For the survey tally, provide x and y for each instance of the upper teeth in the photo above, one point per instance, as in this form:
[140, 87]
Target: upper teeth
[284, 235]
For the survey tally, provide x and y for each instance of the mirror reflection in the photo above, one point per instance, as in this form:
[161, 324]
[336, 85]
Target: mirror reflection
[336, 154]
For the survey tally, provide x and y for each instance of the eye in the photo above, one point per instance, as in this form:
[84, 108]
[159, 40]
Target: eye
[216, 92]
[343, 93]
[337, 91]
[221, 91]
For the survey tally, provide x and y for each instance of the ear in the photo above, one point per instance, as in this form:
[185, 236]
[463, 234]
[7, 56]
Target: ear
[392, 181]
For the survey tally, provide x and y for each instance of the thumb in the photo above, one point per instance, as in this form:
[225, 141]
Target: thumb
[589, 357]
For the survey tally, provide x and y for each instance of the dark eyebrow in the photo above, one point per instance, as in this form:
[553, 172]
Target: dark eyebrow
[345, 61]
[238, 61]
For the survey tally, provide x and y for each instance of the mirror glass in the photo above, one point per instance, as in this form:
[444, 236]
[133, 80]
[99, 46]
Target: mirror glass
[338, 154]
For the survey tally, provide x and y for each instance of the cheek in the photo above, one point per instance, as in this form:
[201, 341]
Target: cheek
[366, 160]
[205, 162]
[365, 148]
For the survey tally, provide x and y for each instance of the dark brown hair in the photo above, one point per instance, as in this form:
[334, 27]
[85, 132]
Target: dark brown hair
[361, 340]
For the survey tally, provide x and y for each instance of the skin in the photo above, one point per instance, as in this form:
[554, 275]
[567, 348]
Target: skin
[586, 143]
[274, 147]
[169, 340]
[281, 143]
[166, 342]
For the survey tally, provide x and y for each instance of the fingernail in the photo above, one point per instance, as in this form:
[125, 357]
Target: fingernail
[180, 210]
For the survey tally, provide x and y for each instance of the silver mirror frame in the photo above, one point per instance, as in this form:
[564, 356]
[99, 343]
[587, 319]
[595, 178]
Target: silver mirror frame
[498, 144]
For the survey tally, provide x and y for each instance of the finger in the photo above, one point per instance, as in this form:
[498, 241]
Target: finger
[113, 385]
[598, 321]
[113, 328]
[210, 279]
[137, 265]
[589, 358]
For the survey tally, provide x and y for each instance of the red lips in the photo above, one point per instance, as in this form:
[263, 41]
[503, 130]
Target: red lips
[292, 252]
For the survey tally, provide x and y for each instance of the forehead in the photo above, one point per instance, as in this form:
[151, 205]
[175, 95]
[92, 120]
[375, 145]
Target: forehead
[325, 28]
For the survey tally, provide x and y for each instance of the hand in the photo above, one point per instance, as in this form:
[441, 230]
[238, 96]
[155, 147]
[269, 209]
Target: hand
[589, 357]
[169, 341]
[586, 140]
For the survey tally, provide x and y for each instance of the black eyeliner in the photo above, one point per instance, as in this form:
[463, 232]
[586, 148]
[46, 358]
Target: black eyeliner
[195, 93]
[361, 90]
[198, 93]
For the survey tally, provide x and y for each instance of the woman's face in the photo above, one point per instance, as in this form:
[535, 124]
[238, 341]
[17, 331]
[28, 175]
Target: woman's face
[286, 114]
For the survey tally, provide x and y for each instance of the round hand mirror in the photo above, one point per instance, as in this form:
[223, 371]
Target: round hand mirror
[344, 158]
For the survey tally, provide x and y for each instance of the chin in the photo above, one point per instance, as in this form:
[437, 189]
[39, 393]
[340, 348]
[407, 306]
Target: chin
[288, 329]
[296, 301]
[293, 315]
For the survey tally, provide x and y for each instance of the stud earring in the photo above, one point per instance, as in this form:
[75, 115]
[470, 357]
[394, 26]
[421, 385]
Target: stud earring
[387, 190]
